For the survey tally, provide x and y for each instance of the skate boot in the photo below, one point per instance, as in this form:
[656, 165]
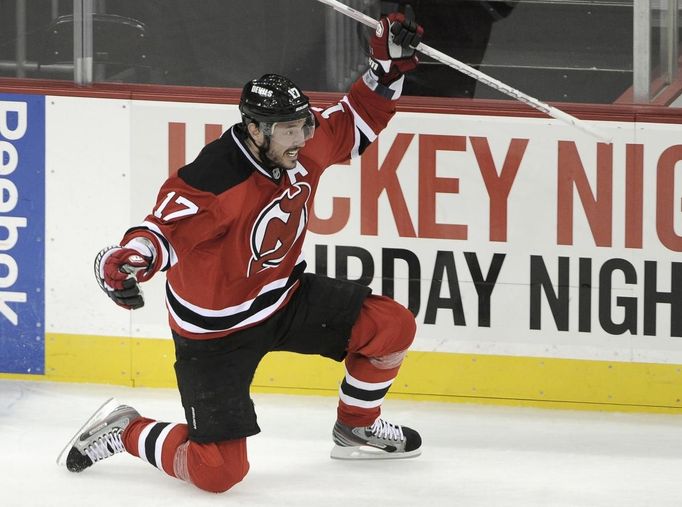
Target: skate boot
[99, 437]
[381, 440]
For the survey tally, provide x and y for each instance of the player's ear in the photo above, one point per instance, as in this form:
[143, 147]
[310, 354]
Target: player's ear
[254, 132]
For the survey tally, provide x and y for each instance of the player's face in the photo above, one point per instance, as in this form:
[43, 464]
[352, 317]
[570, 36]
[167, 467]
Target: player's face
[287, 139]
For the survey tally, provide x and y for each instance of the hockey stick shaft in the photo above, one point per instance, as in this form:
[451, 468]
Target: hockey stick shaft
[477, 75]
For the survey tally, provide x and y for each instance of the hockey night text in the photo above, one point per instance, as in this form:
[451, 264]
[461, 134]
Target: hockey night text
[645, 294]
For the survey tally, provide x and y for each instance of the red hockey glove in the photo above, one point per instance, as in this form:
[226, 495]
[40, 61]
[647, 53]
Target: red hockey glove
[118, 271]
[392, 47]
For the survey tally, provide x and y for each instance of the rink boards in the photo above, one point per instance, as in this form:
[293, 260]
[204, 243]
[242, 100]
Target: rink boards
[542, 265]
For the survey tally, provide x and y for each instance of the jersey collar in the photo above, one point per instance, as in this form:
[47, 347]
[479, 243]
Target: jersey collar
[240, 141]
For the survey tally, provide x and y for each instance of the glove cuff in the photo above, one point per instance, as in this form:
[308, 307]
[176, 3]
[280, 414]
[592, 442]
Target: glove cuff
[390, 87]
[142, 246]
[100, 260]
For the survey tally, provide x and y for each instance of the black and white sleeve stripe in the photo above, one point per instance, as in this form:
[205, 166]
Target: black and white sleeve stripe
[364, 135]
[168, 255]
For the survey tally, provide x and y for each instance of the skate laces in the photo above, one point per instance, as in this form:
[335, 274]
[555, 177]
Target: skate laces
[386, 430]
[105, 446]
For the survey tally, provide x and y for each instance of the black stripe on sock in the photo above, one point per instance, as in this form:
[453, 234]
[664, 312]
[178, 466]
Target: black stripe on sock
[363, 394]
[150, 442]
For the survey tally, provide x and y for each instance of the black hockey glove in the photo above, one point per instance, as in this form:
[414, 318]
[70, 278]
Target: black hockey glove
[118, 271]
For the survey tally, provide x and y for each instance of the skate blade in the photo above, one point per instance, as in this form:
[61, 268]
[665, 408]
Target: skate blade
[366, 452]
[106, 407]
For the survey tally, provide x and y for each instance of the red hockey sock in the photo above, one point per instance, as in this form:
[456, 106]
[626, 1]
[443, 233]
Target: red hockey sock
[155, 442]
[380, 338]
[212, 467]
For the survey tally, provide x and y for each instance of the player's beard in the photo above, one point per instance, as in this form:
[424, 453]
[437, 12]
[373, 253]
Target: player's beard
[272, 159]
[273, 165]
[263, 154]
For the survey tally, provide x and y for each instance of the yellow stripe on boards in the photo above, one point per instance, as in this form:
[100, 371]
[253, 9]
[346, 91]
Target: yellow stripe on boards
[433, 376]
[94, 359]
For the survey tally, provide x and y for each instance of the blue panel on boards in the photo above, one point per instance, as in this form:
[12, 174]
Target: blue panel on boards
[22, 234]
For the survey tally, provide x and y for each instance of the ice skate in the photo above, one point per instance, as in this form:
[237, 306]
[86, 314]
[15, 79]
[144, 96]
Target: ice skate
[381, 440]
[99, 437]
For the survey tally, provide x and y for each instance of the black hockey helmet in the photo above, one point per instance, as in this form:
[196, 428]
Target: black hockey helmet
[273, 98]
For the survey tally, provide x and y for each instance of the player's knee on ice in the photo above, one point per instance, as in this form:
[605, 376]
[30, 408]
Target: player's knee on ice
[216, 467]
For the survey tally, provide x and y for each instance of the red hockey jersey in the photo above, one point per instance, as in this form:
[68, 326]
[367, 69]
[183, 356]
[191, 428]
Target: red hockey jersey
[229, 234]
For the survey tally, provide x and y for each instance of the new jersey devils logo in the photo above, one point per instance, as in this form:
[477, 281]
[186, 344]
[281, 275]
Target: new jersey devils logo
[278, 227]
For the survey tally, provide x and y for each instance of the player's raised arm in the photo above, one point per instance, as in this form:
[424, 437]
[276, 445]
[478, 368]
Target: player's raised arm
[348, 127]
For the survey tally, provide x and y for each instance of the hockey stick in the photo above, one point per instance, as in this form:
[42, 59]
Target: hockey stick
[478, 75]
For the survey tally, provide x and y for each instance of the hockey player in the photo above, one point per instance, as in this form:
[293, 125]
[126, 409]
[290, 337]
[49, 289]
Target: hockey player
[228, 229]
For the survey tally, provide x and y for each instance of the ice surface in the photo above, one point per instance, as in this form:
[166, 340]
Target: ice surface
[474, 455]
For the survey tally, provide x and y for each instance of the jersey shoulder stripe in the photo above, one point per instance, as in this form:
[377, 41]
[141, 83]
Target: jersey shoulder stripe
[220, 165]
